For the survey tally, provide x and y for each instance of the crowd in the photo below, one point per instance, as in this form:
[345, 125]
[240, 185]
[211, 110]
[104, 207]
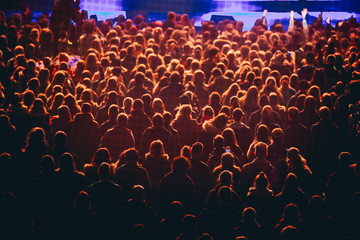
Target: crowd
[131, 129]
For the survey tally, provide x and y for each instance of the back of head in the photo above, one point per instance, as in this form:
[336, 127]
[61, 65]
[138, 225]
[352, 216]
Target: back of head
[181, 165]
[113, 111]
[227, 160]
[139, 78]
[138, 192]
[277, 134]
[197, 149]
[189, 223]
[293, 113]
[264, 100]
[225, 178]
[86, 108]
[138, 104]
[249, 214]
[82, 201]
[132, 155]
[104, 171]
[261, 150]
[266, 112]
[60, 138]
[237, 114]
[225, 195]
[291, 183]
[175, 77]
[290, 233]
[122, 119]
[214, 98]
[158, 120]
[324, 113]
[175, 210]
[310, 57]
[101, 155]
[218, 141]
[167, 118]
[291, 212]
[67, 163]
[345, 159]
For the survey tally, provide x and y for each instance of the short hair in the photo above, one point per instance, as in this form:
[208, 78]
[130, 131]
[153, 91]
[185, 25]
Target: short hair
[324, 112]
[225, 194]
[310, 57]
[289, 233]
[175, 77]
[261, 150]
[138, 104]
[86, 108]
[158, 119]
[226, 178]
[249, 214]
[218, 141]
[237, 114]
[139, 78]
[293, 113]
[138, 192]
[60, 138]
[196, 149]
[122, 119]
[345, 159]
[104, 171]
[181, 165]
[67, 162]
[132, 155]
[189, 223]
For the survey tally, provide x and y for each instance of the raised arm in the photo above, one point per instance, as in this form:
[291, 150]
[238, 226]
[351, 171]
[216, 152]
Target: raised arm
[304, 12]
[291, 22]
[264, 21]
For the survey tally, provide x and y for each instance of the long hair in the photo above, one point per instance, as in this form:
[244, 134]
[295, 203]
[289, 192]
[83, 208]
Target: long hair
[37, 108]
[36, 138]
[101, 155]
[295, 160]
[250, 98]
[67, 163]
[184, 112]
[229, 137]
[157, 149]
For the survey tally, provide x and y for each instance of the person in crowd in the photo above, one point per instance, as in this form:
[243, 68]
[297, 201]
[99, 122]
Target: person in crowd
[130, 173]
[106, 197]
[178, 186]
[84, 135]
[138, 121]
[242, 132]
[157, 132]
[119, 138]
[70, 93]
[156, 163]
[199, 173]
[102, 155]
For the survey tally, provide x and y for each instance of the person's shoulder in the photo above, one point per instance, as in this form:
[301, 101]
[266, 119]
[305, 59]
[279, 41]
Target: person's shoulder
[248, 166]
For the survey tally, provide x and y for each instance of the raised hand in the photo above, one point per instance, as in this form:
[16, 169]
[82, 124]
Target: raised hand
[327, 20]
[291, 14]
[304, 12]
[264, 12]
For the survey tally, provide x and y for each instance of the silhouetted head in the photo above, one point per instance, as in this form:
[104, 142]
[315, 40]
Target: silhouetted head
[249, 214]
[104, 171]
[67, 163]
[225, 195]
[181, 165]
